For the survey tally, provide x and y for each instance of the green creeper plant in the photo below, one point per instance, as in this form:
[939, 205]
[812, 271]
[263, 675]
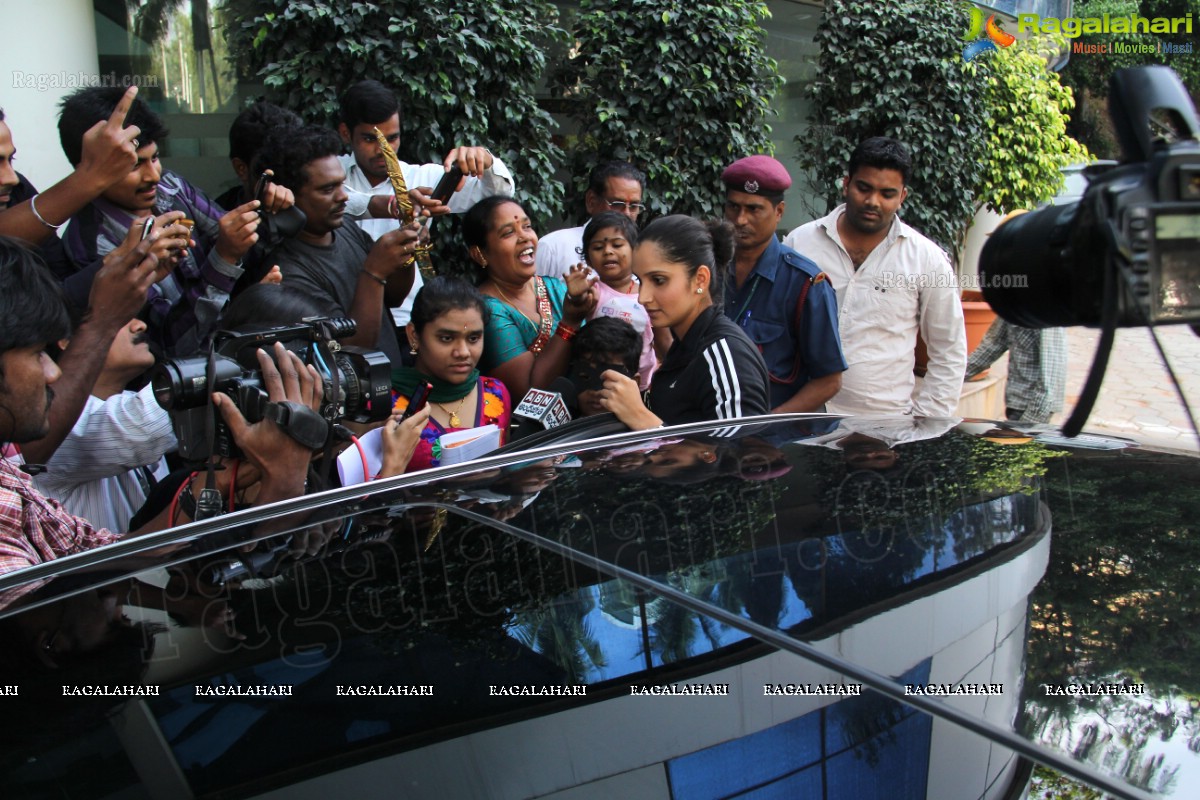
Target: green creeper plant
[465, 73]
[1027, 141]
[680, 89]
[896, 69]
[1087, 73]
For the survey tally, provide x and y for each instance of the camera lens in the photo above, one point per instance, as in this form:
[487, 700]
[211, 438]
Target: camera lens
[1025, 269]
[364, 377]
[182, 383]
[177, 384]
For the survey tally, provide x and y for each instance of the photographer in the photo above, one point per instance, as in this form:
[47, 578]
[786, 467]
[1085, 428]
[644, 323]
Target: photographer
[183, 304]
[108, 151]
[104, 470]
[34, 529]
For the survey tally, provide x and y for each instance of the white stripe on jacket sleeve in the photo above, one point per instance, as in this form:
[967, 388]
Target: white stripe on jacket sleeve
[723, 374]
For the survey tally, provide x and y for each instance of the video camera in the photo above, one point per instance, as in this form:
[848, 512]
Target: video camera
[1138, 224]
[357, 381]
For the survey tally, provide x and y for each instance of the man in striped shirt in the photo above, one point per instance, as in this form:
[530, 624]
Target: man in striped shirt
[184, 305]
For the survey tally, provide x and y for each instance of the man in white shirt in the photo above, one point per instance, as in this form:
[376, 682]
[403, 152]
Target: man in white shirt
[104, 470]
[891, 282]
[368, 105]
[612, 186]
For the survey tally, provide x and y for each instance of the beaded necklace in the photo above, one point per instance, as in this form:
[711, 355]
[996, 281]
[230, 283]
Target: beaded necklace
[545, 322]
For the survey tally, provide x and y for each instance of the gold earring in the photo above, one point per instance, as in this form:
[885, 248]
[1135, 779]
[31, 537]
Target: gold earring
[412, 348]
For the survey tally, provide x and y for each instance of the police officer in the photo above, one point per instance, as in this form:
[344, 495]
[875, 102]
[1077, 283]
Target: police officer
[780, 299]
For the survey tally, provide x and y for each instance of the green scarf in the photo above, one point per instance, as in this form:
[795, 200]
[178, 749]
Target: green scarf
[406, 379]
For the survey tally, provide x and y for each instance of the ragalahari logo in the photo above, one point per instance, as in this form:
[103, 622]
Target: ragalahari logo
[992, 35]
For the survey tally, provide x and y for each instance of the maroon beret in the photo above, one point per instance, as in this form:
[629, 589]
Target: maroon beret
[757, 175]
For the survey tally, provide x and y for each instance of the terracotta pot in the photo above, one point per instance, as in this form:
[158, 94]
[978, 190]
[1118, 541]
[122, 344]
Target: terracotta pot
[977, 315]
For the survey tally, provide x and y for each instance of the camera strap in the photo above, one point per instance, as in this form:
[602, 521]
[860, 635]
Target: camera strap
[1109, 311]
[209, 503]
[334, 398]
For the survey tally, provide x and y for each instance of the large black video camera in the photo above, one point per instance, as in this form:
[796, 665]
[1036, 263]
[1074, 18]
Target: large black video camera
[1128, 252]
[357, 381]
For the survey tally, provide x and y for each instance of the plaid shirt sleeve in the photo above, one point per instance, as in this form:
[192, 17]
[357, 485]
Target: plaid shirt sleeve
[34, 529]
[994, 344]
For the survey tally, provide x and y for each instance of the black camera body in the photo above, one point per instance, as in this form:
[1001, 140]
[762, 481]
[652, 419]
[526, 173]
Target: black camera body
[357, 381]
[1134, 236]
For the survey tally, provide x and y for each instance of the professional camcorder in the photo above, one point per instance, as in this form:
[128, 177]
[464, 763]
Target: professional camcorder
[1128, 252]
[357, 381]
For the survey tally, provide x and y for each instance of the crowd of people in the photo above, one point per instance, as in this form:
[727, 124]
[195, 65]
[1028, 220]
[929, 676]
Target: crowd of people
[125, 263]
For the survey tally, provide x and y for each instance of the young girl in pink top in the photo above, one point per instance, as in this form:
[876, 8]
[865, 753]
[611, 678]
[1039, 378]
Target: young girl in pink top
[608, 242]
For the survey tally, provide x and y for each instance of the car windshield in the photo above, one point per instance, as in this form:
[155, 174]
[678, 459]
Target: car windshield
[827, 607]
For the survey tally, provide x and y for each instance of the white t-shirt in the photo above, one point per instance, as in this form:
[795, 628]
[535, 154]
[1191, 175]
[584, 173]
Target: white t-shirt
[496, 180]
[558, 251]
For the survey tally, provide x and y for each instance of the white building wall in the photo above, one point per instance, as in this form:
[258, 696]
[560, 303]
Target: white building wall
[47, 42]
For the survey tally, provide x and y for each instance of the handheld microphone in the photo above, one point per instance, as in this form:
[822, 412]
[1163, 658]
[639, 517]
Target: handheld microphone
[542, 409]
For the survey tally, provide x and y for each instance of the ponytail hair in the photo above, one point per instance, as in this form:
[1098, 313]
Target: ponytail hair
[690, 242]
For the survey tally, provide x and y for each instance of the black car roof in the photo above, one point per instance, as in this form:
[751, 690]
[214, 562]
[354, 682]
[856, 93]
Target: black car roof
[772, 538]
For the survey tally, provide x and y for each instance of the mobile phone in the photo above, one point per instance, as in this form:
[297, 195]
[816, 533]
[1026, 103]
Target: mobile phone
[278, 225]
[417, 399]
[261, 186]
[446, 185]
[147, 227]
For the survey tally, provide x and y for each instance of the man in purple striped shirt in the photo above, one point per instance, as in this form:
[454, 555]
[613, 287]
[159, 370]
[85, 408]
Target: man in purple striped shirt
[185, 305]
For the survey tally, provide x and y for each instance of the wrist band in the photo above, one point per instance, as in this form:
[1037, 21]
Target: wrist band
[300, 422]
[33, 208]
[566, 332]
[381, 281]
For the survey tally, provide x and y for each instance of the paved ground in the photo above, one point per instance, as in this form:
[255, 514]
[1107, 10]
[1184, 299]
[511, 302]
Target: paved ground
[1137, 397]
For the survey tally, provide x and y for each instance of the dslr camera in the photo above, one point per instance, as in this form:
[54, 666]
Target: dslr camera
[1128, 252]
[357, 381]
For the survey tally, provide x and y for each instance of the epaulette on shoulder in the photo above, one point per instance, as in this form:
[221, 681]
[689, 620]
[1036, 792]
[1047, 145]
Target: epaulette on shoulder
[804, 264]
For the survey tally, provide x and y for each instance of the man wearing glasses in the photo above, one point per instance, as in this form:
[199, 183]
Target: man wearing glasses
[612, 186]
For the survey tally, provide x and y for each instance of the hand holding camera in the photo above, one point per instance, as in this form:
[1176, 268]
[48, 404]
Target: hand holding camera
[282, 459]
[354, 383]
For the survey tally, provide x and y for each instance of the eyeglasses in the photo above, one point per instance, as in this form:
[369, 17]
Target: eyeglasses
[620, 206]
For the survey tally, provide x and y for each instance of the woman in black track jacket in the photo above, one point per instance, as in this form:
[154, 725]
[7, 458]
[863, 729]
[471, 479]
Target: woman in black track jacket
[713, 371]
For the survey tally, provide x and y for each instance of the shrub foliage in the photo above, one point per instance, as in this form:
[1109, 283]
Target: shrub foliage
[679, 88]
[464, 72]
[896, 69]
